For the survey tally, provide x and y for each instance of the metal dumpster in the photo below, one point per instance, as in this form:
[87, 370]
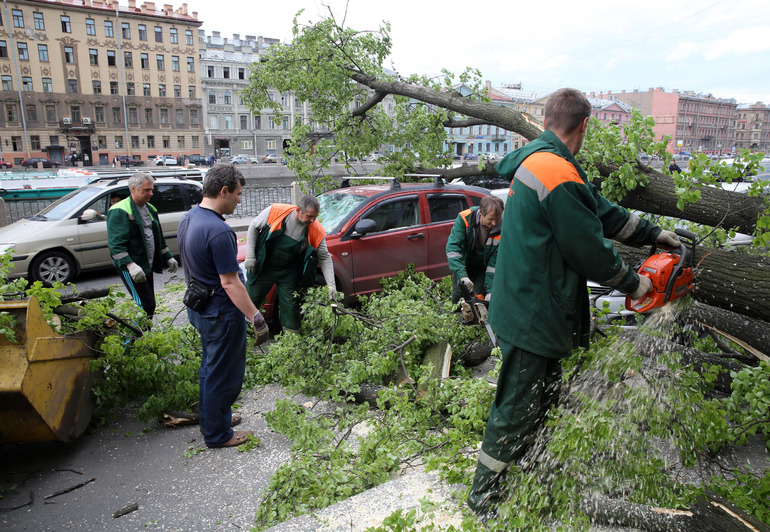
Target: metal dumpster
[45, 381]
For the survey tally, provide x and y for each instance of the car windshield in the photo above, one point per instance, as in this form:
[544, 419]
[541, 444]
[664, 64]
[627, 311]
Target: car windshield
[335, 206]
[62, 207]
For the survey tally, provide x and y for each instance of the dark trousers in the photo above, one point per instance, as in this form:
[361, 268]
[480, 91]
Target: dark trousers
[142, 293]
[223, 365]
[527, 387]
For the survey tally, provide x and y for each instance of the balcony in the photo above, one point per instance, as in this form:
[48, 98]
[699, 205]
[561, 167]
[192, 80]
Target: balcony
[83, 126]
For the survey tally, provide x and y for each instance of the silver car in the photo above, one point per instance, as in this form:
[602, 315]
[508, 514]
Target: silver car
[70, 235]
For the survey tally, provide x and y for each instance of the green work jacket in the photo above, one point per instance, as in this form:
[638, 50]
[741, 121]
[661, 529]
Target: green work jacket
[459, 248]
[125, 237]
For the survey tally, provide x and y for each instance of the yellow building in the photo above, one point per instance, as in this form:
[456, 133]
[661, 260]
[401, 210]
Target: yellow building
[98, 80]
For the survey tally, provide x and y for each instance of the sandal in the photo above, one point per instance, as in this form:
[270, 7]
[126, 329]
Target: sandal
[239, 438]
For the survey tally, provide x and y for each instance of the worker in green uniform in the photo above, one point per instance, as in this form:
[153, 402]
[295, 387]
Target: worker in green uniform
[284, 244]
[471, 248]
[554, 237]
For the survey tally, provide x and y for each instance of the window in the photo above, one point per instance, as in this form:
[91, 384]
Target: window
[161, 62]
[47, 85]
[241, 73]
[228, 97]
[42, 53]
[270, 123]
[118, 141]
[212, 97]
[117, 116]
[148, 115]
[69, 54]
[180, 141]
[97, 86]
[11, 112]
[3, 49]
[270, 144]
[166, 142]
[142, 32]
[125, 30]
[191, 64]
[162, 90]
[243, 119]
[16, 143]
[133, 115]
[195, 142]
[177, 91]
[93, 56]
[130, 90]
[188, 37]
[50, 113]
[113, 87]
[402, 212]
[108, 30]
[146, 88]
[173, 36]
[34, 141]
[144, 60]
[175, 63]
[164, 116]
[31, 112]
[150, 141]
[213, 122]
[75, 113]
[102, 140]
[445, 207]
[158, 34]
[257, 121]
[66, 27]
[191, 91]
[23, 51]
[226, 72]
[128, 59]
[179, 117]
[26, 83]
[194, 117]
[72, 86]
[134, 141]
[111, 61]
[90, 26]
[18, 18]
[39, 21]
[210, 71]
[99, 114]
[228, 121]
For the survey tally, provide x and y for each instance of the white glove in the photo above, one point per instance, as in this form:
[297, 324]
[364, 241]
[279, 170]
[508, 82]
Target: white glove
[668, 240]
[332, 294]
[488, 297]
[136, 272]
[645, 286]
[467, 283]
[250, 265]
[173, 265]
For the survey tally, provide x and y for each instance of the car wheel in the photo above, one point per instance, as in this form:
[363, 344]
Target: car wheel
[52, 266]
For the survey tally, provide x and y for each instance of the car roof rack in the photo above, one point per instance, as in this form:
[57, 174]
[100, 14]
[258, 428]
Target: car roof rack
[114, 176]
[345, 183]
[438, 179]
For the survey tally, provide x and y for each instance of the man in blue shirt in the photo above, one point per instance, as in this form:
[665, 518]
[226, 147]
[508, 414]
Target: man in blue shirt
[208, 249]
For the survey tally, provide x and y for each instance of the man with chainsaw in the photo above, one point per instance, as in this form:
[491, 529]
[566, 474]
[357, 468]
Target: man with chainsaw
[554, 237]
[471, 249]
[284, 244]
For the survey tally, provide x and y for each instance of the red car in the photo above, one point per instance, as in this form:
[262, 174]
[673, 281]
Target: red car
[5, 164]
[374, 231]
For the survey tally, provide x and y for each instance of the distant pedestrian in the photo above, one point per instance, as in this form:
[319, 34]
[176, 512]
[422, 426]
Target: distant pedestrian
[86, 159]
[673, 167]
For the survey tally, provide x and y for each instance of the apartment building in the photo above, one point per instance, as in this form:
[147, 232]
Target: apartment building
[752, 127]
[92, 77]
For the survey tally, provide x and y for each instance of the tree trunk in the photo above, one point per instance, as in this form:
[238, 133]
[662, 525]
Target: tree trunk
[749, 330]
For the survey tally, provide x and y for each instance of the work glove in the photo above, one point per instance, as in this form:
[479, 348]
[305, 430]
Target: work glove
[173, 265]
[332, 294]
[250, 265]
[261, 332]
[136, 272]
[645, 286]
[488, 297]
[468, 284]
[668, 240]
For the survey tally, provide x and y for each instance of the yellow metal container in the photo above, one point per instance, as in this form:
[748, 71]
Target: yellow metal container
[45, 381]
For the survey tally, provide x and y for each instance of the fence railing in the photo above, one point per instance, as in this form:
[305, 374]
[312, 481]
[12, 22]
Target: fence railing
[253, 200]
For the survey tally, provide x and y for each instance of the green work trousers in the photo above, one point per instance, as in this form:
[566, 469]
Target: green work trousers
[527, 387]
[287, 282]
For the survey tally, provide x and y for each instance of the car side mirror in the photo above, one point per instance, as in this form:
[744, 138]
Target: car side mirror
[364, 226]
[91, 214]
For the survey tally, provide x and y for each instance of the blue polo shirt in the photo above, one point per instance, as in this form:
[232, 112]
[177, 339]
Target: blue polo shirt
[208, 248]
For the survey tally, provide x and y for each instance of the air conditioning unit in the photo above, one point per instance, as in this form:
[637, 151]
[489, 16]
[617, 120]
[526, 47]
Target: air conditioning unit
[86, 120]
[66, 120]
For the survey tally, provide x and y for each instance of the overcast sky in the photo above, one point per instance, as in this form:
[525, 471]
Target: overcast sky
[715, 47]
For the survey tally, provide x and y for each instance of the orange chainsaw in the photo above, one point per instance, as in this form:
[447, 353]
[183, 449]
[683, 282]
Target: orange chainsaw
[671, 272]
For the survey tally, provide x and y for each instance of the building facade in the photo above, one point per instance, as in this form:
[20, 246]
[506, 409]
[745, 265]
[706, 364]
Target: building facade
[752, 127]
[95, 79]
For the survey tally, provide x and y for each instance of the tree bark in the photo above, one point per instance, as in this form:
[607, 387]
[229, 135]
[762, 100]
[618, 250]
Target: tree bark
[749, 330]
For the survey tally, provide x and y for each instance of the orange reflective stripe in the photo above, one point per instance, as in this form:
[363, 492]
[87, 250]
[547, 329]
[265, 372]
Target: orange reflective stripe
[278, 211]
[315, 233]
[550, 169]
[465, 215]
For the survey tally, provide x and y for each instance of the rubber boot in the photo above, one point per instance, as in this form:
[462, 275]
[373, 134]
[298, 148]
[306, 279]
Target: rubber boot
[486, 492]
[291, 331]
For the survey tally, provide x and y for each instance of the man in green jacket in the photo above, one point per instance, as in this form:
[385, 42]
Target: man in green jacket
[554, 238]
[471, 248]
[136, 242]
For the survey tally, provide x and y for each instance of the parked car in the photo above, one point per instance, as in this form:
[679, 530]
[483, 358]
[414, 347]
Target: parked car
[166, 160]
[32, 162]
[254, 160]
[272, 158]
[374, 231]
[70, 235]
[239, 159]
[5, 164]
[470, 157]
[125, 160]
[198, 160]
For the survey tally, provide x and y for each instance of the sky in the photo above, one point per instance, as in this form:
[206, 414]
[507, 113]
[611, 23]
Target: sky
[719, 47]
